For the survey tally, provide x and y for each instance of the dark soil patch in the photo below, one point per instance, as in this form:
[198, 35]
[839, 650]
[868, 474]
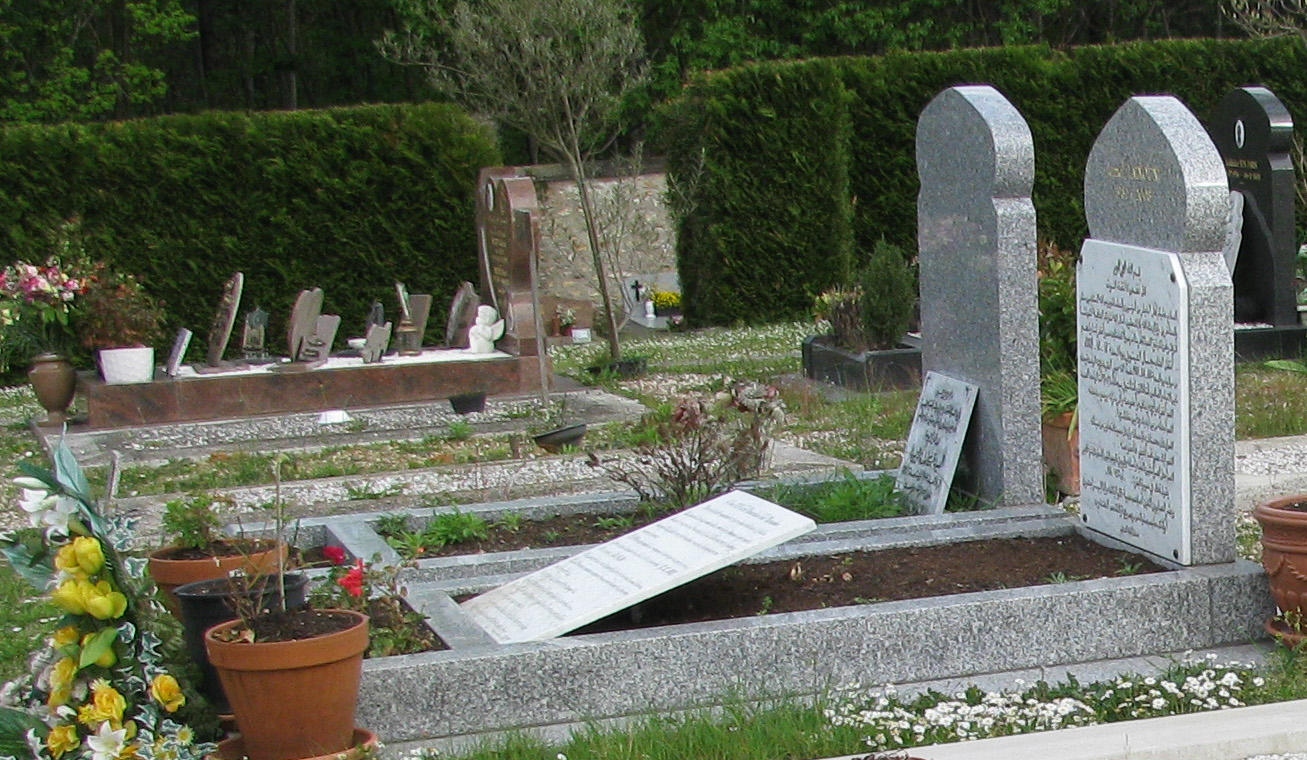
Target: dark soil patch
[891, 574]
[560, 530]
[298, 624]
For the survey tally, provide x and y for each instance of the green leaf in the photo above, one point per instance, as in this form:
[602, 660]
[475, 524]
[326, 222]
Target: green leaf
[69, 473]
[14, 725]
[32, 561]
[97, 646]
[1288, 365]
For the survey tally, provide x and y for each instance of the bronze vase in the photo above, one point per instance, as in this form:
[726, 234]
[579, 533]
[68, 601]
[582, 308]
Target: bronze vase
[55, 381]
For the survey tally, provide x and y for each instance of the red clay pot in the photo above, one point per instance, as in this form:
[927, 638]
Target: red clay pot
[168, 574]
[292, 699]
[1284, 550]
[364, 741]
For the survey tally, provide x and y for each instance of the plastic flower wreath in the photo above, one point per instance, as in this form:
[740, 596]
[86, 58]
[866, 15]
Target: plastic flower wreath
[112, 683]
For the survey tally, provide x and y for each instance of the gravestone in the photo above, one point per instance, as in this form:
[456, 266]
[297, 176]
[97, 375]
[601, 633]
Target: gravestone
[420, 304]
[979, 313]
[375, 343]
[1253, 131]
[303, 320]
[508, 246]
[930, 457]
[317, 347]
[1155, 338]
[254, 339]
[462, 313]
[225, 319]
[636, 566]
[376, 316]
[178, 353]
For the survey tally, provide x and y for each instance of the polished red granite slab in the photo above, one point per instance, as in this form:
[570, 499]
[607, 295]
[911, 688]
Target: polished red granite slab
[225, 396]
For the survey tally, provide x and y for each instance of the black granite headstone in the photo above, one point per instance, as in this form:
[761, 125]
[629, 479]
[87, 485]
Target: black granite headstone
[1254, 132]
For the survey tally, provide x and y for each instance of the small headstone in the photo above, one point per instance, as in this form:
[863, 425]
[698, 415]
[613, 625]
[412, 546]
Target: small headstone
[930, 458]
[318, 346]
[979, 310]
[1254, 133]
[1155, 338]
[636, 566]
[303, 320]
[508, 234]
[178, 353]
[462, 314]
[254, 341]
[225, 319]
[420, 306]
[376, 316]
[376, 343]
[489, 328]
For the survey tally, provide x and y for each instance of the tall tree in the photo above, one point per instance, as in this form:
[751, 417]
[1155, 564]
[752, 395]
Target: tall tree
[85, 59]
[556, 70]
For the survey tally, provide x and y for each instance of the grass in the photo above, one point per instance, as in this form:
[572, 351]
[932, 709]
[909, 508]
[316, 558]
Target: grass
[1268, 402]
[24, 618]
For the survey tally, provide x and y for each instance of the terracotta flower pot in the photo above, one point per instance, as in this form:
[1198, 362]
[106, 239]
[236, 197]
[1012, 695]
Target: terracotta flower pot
[292, 699]
[364, 742]
[1284, 549]
[1062, 452]
[55, 382]
[169, 573]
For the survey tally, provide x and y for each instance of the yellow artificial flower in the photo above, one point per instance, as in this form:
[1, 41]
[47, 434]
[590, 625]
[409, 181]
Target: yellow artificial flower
[89, 553]
[58, 698]
[71, 595]
[64, 636]
[106, 705]
[65, 560]
[185, 736]
[61, 677]
[167, 692]
[62, 739]
[106, 660]
[103, 603]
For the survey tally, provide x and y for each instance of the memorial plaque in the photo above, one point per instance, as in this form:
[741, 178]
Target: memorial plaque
[634, 567]
[1134, 396]
[376, 343]
[930, 458]
[462, 313]
[1254, 133]
[254, 340]
[979, 309]
[303, 320]
[178, 353]
[225, 319]
[420, 307]
[1155, 338]
[318, 346]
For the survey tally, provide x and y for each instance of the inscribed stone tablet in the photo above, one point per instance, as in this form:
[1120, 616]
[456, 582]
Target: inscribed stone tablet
[1134, 396]
[303, 320]
[178, 353]
[935, 442]
[225, 319]
[634, 567]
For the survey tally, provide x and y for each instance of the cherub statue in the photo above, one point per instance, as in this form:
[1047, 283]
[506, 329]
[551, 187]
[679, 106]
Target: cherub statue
[489, 328]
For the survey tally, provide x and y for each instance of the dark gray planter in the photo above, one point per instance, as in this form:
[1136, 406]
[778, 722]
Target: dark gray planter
[892, 369]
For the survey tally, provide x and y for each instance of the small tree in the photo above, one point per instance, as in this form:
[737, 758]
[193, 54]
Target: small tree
[1269, 18]
[556, 70]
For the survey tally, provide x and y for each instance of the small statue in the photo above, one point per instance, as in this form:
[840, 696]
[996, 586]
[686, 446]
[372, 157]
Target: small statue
[489, 328]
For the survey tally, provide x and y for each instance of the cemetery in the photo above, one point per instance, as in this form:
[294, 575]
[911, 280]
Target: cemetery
[565, 516]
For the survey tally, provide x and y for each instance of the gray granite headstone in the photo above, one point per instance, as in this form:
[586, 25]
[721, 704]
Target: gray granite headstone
[317, 347]
[633, 567]
[420, 304]
[375, 343]
[303, 320]
[930, 458]
[376, 316]
[1155, 338]
[979, 313]
[178, 353]
[462, 313]
[1254, 133]
[225, 319]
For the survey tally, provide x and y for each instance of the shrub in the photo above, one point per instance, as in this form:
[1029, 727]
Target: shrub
[888, 296]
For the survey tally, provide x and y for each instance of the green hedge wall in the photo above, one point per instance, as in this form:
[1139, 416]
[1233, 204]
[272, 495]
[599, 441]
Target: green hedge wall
[348, 200]
[750, 147]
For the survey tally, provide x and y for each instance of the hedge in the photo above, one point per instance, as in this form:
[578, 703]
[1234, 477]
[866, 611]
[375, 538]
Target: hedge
[348, 200]
[762, 166]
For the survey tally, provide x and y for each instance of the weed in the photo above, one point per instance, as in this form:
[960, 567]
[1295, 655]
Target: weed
[409, 544]
[459, 430]
[848, 498]
[509, 521]
[1061, 577]
[366, 492]
[620, 522]
[550, 536]
[456, 527]
[1129, 568]
[767, 604]
[390, 524]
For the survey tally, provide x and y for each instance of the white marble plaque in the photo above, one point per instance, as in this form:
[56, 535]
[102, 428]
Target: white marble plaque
[631, 568]
[1134, 396]
[930, 458]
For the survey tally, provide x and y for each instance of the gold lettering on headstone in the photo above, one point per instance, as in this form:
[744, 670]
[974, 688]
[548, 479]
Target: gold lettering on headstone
[1136, 173]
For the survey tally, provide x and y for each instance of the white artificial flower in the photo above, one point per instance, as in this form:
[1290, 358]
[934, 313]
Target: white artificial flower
[106, 744]
[48, 511]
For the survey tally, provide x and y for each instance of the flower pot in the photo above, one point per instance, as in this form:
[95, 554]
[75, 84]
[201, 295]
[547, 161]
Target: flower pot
[467, 403]
[365, 742]
[205, 604]
[625, 369]
[553, 441]
[120, 366]
[54, 381]
[293, 699]
[1062, 452]
[170, 571]
[1284, 549]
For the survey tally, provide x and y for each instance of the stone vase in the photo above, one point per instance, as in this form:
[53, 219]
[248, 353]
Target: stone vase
[55, 382]
[1284, 550]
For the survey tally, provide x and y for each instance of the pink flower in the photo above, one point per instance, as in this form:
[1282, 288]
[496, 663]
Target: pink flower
[334, 553]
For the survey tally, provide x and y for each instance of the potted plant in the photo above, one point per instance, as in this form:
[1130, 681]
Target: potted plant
[198, 551]
[120, 321]
[1059, 383]
[564, 319]
[1284, 556]
[553, 431]
[38, 310]
[291, 676]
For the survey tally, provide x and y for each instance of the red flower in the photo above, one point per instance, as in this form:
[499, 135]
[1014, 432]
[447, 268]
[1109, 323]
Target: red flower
[353, 580]
[334, 553]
